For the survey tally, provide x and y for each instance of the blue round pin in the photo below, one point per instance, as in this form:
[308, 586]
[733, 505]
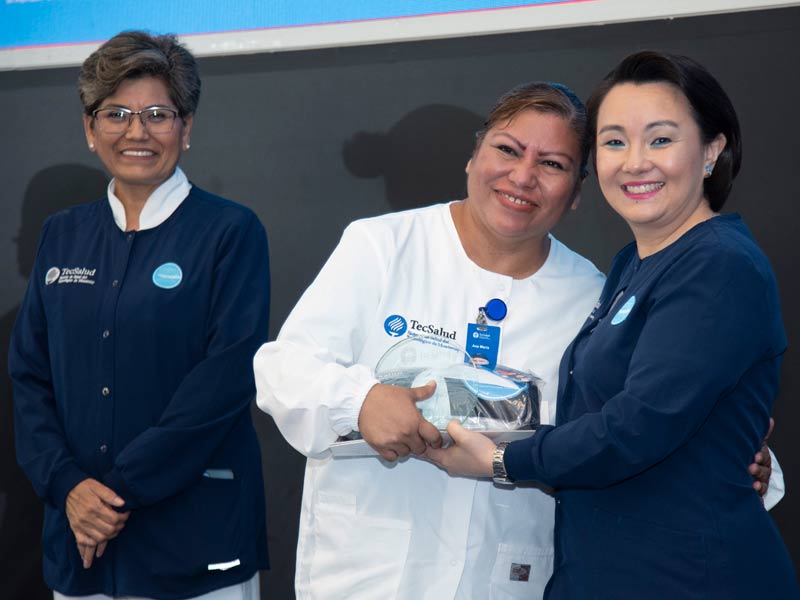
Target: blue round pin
[623, 312]
[167, 276]
[496, 309]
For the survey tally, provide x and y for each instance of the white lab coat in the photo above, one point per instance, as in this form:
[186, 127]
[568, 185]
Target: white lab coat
[370, 529]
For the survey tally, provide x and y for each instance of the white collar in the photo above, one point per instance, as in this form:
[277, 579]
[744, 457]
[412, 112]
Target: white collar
[164, 201]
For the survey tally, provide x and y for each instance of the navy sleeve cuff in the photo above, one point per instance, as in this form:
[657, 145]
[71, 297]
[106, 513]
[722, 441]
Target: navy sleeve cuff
[63, 482]
[113, 479]
[519, 455]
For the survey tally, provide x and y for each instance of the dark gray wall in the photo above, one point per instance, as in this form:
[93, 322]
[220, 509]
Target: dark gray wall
[313, 140]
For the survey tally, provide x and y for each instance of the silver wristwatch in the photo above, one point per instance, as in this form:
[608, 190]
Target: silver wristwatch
[499, 474]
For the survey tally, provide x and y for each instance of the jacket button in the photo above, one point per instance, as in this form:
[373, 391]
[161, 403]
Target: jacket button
[103, 449]
[105, 391]
[106, 333]
[115, 283]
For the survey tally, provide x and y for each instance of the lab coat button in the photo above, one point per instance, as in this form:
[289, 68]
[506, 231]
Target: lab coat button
[105, 391]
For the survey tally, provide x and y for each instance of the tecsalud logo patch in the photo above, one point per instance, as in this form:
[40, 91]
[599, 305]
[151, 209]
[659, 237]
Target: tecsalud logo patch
[52, 275]
[395, 325]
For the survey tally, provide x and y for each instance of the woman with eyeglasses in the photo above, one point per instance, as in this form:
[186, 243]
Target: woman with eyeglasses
[131, 355]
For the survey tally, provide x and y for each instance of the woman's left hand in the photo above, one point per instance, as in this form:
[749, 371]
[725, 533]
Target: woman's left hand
[761, 468]
[470, 453]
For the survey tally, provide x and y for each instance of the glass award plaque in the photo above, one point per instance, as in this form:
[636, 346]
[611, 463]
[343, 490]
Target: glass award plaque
[477, 397]
[415, 361]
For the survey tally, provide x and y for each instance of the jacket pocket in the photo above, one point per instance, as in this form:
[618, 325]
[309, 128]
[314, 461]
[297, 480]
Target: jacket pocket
[628, 555]
[199, 527]
[355, 556]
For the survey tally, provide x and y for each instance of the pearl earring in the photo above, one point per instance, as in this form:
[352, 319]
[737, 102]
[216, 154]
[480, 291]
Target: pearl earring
[187, 146]
[91, 146]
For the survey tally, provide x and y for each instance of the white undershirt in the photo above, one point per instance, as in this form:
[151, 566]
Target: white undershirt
[164, 201]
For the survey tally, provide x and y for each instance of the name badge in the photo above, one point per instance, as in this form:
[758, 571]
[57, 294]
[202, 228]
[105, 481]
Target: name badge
[483, 344]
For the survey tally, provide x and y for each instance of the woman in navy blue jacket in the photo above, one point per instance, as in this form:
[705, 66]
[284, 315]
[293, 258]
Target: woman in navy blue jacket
[666, 391]
[131, 355]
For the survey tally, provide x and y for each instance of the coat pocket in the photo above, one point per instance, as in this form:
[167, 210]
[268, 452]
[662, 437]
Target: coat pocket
[353, 556]
[520, 572]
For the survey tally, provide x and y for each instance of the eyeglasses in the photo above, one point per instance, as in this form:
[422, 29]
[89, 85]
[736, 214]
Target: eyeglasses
[115, 119]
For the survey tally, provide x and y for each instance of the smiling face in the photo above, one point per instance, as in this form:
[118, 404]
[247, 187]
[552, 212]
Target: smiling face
[138, 160]
[523, 177]
[651, 161]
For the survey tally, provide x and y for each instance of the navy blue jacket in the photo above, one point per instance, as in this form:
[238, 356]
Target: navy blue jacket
[131, 360]
[664, 397]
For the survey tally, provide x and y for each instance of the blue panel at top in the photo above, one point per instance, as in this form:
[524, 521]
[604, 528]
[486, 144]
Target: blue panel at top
[48, 22]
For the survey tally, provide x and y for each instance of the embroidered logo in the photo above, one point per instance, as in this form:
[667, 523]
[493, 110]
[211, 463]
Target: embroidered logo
[395, 325]
[168, 276]
[52, 275]
[623, 312]
[69, 275]
[430, 329]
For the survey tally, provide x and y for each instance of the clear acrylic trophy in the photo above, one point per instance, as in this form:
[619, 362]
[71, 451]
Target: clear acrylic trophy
[479, 398]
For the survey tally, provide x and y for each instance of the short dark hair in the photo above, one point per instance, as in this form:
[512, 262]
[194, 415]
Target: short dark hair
[134, 54]
[712, 109]
[543, 97]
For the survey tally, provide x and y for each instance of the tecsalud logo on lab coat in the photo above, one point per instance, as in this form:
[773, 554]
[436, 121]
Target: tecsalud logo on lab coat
[395, 325]
[623, 312]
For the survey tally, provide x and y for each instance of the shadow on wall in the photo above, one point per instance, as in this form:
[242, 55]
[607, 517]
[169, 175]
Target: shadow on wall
[49, 191]
[421, 158]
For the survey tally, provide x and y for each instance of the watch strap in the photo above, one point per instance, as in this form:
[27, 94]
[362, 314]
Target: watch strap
[499, 474]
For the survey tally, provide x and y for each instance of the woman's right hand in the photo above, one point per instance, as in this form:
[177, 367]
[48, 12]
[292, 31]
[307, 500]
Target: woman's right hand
[392, 424]
[471, 453]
